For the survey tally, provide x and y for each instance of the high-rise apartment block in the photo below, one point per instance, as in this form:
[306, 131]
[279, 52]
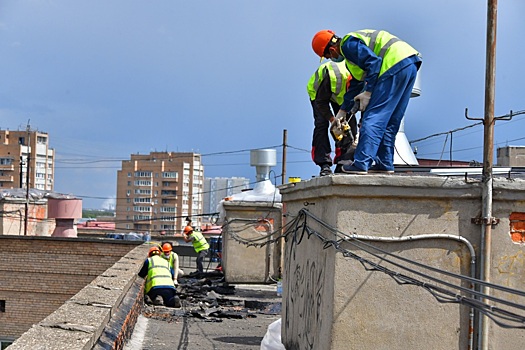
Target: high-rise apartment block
[157, 192]
[218, 188]
[16, 148]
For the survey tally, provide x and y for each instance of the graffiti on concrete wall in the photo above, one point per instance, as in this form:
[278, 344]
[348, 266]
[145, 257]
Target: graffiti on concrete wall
[303, 299]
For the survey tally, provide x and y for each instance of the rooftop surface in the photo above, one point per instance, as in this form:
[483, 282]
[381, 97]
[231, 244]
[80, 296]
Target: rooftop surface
[237, 319]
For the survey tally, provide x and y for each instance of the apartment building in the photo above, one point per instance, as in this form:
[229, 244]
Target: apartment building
[217, 188]
[156, 192]
[20, 148]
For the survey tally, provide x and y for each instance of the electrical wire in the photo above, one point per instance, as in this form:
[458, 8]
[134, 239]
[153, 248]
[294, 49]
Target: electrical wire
[298, 229]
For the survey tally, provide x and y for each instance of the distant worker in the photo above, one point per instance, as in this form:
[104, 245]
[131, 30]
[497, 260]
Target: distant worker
[200, 244]
[173, 260]
[386, 69]
[326, 88]
[159, 281]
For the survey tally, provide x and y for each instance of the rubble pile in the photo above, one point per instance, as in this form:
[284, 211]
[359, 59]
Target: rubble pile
[209, 298]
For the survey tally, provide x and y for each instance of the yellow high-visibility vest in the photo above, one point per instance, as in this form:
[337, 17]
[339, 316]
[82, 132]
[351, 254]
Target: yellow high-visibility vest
[159, 273]
[385, 45]
[339, 76]
[199, 242]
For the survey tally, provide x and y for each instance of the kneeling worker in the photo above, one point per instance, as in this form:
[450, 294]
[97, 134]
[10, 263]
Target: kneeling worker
[159, 279]
[173, 261]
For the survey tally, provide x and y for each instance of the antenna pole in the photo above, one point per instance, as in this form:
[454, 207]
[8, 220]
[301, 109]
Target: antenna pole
[285, 138]
[28, 161]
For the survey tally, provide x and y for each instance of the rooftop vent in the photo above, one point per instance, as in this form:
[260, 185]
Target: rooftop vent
[263, 160]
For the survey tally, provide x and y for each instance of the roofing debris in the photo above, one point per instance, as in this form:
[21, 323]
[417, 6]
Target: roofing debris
[208, 298]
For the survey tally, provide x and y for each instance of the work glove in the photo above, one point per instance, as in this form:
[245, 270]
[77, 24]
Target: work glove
[336, 129]
[340, 115]
[363, 99]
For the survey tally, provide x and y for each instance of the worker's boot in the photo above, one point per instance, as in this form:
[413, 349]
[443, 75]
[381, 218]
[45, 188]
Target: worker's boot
[158, 300]
[325, 170]
[177, 302]
[147, 300]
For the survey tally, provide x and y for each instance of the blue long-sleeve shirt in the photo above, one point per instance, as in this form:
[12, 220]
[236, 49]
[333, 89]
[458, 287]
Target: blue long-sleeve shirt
[356, 51]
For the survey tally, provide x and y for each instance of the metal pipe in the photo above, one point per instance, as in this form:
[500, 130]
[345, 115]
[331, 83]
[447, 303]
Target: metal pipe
[437, 236]
[26, 206]
[285, 140]
[488, 160]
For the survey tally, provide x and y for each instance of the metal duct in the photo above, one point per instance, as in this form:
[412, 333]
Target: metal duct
[263, 160]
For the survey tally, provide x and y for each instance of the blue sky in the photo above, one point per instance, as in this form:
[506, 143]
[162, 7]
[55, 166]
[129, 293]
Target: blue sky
[230, 75]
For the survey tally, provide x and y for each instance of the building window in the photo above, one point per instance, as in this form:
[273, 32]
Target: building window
[170, 174]
[142, 200]
[6, 161]
[2, 305]
[168, 193]
[142, 173]
[5, 343]
[142, 209]
[41, 139]
[142, 183]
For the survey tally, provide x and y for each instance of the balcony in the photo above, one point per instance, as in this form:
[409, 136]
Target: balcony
[7, 167]
[6, 178]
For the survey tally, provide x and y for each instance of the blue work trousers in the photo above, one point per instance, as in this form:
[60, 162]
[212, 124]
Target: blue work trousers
[381, 120]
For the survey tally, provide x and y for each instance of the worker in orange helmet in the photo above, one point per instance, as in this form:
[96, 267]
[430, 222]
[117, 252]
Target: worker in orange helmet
[200, 244]
[159, 286]
[385, 68]
[173, 260]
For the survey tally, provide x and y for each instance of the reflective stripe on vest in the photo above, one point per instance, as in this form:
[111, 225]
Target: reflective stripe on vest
[159, 273]
[171, 259]
[339, 77]
[199, 242]
[385, 45]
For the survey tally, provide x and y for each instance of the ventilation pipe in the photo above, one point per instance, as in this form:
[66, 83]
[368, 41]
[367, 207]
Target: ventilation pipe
[263, 160]
[403, 154]
[64, 211]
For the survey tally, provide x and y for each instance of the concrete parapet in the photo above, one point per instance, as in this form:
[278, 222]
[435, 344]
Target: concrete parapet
[80, 322]
[245, 257]
[352, 294]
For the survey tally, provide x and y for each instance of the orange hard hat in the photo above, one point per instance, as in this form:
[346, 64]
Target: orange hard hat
[321, 40]
[153, 251]
[187, 230]
[166, 247]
